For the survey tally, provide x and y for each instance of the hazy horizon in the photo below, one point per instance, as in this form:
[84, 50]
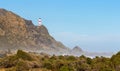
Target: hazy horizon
[92, 25]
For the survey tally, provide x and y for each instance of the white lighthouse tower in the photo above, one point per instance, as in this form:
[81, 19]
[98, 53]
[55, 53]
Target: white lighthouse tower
[39, 22]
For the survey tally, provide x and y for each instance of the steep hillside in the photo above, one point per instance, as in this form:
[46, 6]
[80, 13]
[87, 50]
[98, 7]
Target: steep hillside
[19, 33]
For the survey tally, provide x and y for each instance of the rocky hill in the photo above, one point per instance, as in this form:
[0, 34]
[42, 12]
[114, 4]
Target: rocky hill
[77, 51]
[19, 33]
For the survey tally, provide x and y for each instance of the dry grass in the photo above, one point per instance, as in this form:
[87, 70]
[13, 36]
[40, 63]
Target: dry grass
[2, 69]
[39, 69]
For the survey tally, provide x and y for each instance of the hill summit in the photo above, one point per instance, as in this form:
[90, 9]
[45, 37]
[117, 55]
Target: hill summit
[19, 33]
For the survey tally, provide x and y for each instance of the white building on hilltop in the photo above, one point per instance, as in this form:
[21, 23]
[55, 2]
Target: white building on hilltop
[39, 22]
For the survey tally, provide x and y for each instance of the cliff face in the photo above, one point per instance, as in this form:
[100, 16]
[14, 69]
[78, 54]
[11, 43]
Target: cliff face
[19, 33]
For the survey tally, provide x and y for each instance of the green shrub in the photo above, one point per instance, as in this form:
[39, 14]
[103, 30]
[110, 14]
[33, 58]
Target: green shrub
[47, 65]
[89, 61]
[22, 65]
[64, 68]
[8, 62]
[71, 58]
[23, 55]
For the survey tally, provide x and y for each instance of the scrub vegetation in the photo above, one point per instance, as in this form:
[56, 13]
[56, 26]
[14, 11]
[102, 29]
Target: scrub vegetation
[24, 61]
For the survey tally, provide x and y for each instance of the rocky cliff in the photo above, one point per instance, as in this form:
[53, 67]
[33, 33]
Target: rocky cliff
[19, 33]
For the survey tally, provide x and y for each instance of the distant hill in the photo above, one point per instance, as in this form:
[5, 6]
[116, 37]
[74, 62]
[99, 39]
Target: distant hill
[77, 51]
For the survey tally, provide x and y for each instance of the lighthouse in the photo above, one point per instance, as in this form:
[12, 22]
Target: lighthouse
[39, 22]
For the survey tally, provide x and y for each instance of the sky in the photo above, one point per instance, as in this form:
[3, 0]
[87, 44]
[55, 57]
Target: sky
[94, 25]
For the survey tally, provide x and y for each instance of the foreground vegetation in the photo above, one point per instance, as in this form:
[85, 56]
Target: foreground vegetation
[23, 61]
